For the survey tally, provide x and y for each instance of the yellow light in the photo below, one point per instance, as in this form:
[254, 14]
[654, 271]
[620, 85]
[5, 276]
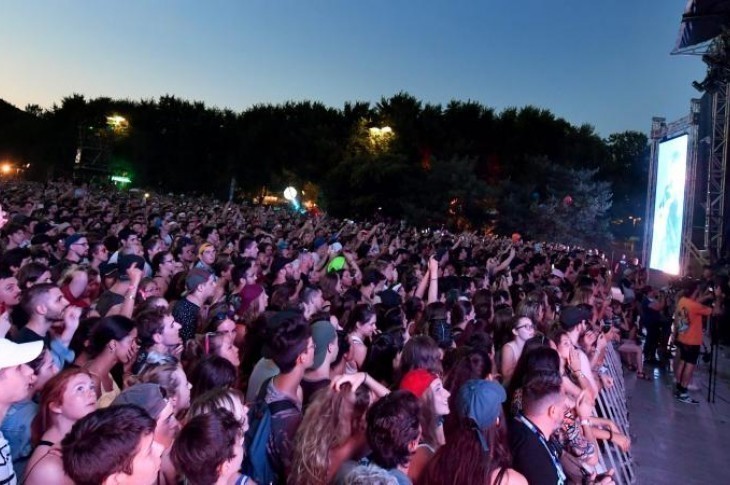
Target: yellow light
[6, 168]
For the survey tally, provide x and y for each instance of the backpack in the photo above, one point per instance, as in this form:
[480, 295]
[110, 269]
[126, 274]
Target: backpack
[681, 320]
[257, 463]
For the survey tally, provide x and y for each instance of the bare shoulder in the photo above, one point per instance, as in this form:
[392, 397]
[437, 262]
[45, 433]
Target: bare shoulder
[510, 477]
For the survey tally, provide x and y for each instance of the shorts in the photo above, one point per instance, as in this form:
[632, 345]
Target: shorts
[688, 353]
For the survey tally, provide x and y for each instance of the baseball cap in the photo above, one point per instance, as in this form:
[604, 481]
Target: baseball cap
[195, 278]
[481, 401]
[337, 263]
[318, 242]
[417, 381]
[278, 264]
[570, 316]
[125, 261]
[149, 396]
[72, 239]
[323, 334]
[12, 354]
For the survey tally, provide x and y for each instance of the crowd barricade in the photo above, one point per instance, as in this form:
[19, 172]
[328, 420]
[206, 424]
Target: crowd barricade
[611, 404]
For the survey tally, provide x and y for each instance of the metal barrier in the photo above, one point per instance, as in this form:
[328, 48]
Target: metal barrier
[611, 404]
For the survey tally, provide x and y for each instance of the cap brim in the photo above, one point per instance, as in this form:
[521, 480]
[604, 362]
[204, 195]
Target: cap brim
[17, 354]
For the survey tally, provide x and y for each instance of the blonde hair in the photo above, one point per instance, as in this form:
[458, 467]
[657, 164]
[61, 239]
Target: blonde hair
[331, 419]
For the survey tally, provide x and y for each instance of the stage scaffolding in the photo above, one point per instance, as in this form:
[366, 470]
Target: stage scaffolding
[716, 174]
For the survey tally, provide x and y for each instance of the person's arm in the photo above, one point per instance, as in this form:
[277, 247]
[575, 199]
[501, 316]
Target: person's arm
[574, 367]
[351, 262]
[359, 378]
[433, 280]
[422, 285]
[505, 264]
[126, 308]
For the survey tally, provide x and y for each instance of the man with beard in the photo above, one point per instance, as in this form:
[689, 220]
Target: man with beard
[47, 308]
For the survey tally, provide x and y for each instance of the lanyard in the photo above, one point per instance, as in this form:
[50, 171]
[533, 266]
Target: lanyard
[543, 441]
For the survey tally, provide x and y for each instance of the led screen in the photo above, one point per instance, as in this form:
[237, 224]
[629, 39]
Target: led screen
[666, 238]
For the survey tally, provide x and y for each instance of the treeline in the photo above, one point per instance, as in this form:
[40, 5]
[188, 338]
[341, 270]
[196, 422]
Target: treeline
[457, 163]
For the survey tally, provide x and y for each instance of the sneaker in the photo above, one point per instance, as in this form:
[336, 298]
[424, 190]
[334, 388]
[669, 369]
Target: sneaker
[686, 398]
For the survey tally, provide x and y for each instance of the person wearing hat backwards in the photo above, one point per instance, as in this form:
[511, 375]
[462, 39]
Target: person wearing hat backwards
[16, 380]
[152, 398]
[317, 377]
[199, 288]
[476, 450]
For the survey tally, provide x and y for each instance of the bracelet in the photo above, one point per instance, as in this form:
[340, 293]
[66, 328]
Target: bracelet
[585, 422]
[579, 374]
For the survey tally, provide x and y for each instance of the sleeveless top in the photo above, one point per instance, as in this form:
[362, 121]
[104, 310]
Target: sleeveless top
[351, 367]
[107, 397]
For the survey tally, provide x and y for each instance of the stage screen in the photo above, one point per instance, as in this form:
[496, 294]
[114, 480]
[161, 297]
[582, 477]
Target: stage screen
[666, 239]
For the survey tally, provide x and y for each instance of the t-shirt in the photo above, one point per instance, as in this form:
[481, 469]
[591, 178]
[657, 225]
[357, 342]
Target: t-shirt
[7, 474]
[186, 313]
[694, 311]
[530, 457]
[309, 388]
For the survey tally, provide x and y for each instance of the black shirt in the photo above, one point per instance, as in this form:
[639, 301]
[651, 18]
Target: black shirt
[529, 456]
[186, 313]
[309, 388]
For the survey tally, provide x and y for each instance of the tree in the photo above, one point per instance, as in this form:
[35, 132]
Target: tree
[571, 206]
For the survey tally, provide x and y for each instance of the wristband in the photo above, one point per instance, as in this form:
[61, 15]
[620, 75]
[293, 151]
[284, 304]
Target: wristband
[585, 422]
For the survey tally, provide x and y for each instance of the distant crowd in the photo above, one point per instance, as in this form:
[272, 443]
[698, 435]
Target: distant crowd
[148, 338]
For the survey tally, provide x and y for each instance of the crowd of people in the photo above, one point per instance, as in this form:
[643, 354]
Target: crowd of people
[165, 339]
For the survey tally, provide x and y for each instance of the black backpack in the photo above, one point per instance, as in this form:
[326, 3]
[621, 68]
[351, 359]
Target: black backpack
[257, 463]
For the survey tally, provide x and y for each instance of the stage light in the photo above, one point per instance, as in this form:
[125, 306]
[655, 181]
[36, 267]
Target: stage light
[290, 193]
[121, 179]
[6, 168]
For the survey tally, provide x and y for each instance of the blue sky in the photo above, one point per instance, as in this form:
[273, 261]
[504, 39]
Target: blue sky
[603, 63]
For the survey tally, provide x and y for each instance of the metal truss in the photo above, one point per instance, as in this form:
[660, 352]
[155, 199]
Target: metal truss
[716, 170]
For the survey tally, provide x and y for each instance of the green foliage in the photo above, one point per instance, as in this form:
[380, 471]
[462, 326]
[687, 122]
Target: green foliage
[440, 165]
[557, 204]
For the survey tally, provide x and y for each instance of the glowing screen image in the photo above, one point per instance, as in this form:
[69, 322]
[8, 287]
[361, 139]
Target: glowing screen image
[666, 238]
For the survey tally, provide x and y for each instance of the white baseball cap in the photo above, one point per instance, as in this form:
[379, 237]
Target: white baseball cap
[12, 354]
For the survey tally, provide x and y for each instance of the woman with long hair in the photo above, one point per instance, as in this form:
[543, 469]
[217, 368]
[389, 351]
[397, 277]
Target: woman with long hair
[332, 432]
[163, 268]
[433, 407]
[360, 328]
[212, 372]
[112, 341]
[66, 398]
[476, 452]
[421, 352]
[522, 330]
